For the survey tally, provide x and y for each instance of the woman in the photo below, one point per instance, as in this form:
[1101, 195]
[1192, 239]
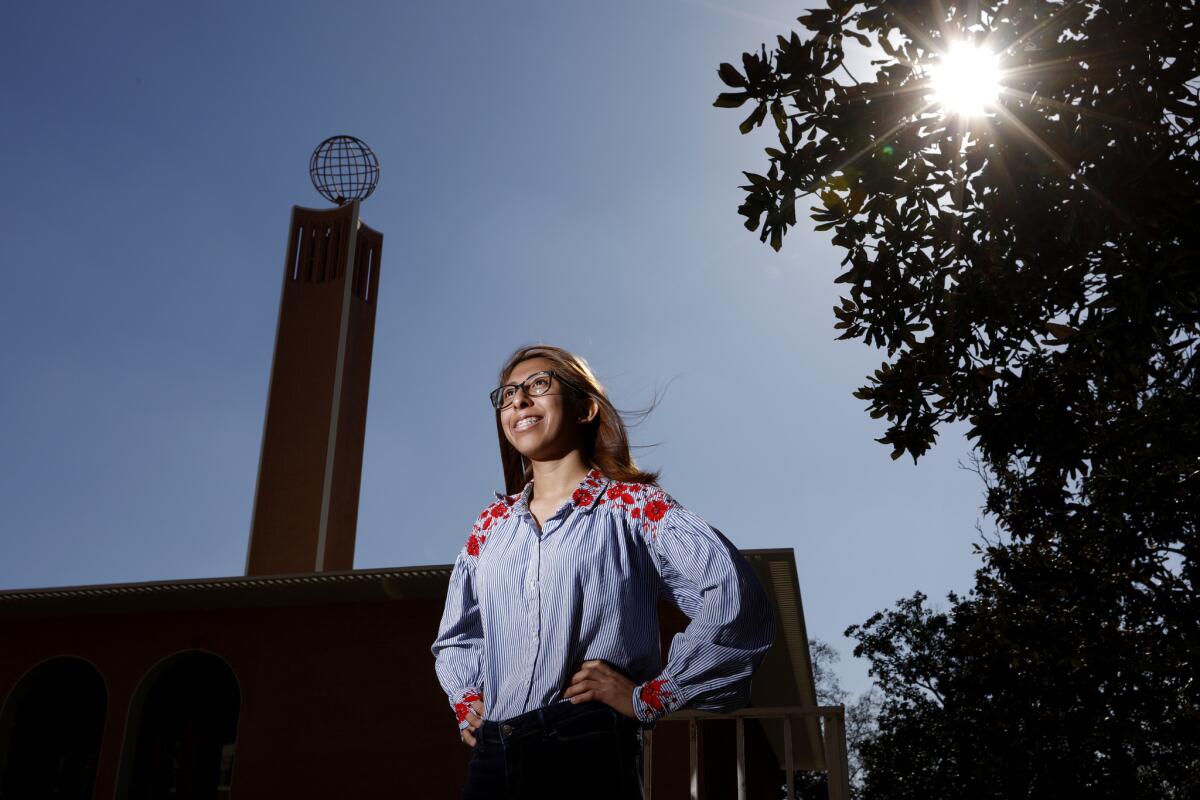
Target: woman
[548, 647]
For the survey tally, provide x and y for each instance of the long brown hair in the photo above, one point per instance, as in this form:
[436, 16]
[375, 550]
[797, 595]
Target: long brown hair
[605, 441]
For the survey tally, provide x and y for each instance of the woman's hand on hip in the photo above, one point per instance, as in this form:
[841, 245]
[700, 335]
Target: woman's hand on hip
[596, 680]
[474, 720]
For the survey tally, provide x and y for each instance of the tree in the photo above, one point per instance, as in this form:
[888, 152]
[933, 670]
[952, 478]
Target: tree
[1030, 687]
[1032, 272]
[824, 660]
[861, 712]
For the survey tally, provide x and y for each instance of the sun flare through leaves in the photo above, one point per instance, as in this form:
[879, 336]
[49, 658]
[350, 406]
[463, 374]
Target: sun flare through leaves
[965, 80]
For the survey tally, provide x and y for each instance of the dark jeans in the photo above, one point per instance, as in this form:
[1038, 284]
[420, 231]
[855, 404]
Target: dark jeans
[581, 752]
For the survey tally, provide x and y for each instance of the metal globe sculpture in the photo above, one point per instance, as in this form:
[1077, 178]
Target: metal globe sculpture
[343, 168]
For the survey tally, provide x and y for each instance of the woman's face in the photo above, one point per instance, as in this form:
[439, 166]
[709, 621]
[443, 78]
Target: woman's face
[542, 428]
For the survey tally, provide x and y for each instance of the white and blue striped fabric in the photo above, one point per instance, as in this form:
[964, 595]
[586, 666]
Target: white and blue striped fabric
[526, 606]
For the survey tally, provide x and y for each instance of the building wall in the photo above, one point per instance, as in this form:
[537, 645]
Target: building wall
[337, 700]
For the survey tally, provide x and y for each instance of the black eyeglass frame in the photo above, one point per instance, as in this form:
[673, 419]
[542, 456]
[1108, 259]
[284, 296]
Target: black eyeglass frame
[495, 394]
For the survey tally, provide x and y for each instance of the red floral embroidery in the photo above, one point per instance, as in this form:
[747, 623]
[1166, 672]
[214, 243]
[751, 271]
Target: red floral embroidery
[643, 502]
[655, 509]
[473, 545]
[463, 707]
[492, 515]
[622, 492]
[586, 493]
[653, 695]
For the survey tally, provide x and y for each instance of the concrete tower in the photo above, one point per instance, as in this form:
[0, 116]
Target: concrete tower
[306, 500]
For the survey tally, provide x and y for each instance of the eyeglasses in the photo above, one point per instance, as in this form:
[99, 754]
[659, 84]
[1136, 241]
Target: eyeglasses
[535, 385]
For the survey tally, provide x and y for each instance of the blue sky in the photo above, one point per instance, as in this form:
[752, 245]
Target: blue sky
[551, 171]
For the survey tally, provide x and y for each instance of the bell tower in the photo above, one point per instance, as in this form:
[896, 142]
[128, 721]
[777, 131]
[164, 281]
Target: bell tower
[306, 498]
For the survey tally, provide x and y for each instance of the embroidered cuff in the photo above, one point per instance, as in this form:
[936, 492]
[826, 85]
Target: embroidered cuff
[654, 699]
[462, 705]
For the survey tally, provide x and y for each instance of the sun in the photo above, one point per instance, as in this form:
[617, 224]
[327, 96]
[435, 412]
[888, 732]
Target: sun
[965, 80]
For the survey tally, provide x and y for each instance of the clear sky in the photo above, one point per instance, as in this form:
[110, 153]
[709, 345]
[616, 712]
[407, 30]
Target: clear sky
[551, 171]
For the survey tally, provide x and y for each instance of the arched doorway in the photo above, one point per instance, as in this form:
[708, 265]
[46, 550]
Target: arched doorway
[50, 730]
[182, 728]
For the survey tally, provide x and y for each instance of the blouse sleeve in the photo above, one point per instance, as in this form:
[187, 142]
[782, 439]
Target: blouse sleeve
[732, 625]
[458, 648]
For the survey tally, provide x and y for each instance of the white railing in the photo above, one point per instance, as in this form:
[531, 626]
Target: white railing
[834, 741]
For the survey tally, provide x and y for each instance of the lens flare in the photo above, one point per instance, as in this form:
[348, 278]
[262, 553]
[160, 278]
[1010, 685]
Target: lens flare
[965, 80]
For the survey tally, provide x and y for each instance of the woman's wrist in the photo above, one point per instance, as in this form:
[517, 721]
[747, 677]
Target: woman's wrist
[462, 702]
[654, 699]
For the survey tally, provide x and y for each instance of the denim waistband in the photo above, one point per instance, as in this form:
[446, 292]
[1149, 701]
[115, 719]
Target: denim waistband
[535, 722]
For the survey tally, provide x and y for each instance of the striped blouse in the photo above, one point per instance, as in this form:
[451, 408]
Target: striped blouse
[526, 605]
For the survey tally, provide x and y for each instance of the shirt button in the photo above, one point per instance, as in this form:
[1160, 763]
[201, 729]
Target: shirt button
[535, 634]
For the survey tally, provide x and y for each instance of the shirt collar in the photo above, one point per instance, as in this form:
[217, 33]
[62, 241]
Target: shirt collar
[585, 497]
